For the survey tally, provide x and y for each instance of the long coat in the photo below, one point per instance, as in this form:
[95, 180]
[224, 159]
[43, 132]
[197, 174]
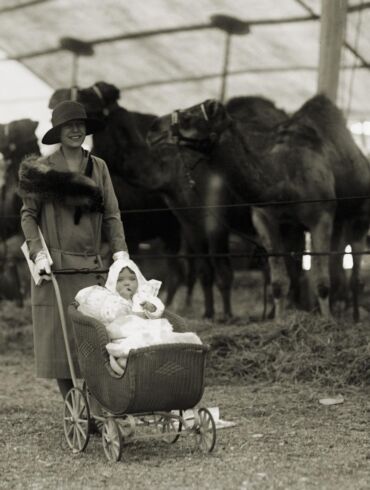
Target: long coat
[71, 246]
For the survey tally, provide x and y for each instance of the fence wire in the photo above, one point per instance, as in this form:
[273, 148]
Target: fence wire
[257, 204]
[291, 254]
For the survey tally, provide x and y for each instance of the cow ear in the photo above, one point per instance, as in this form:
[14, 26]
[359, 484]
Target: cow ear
[34, 125]
[59, 96]
[110, 92]
[213, 107]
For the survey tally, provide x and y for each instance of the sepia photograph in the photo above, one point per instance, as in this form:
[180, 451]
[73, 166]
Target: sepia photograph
[184, 244]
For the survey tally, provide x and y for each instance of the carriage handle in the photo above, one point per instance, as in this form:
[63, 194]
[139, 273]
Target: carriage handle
[78, 271]
[61, 310]
[64, 328]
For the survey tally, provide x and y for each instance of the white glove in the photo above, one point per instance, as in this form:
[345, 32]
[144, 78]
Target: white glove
[121, 255]
[42, 265]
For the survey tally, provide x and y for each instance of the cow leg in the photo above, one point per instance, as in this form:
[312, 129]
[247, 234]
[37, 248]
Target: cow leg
[338, 280]
[173, 279]
[223, 271]
[207, 278]
[218, 240]
[358, 246]
[191, 278]
[175, 272]
[359, 228]
[294, 242]
[224, 279]
[197, 244]
[269, 232]
[321, 233]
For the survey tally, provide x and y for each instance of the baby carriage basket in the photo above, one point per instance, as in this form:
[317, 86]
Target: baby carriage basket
[159, 383]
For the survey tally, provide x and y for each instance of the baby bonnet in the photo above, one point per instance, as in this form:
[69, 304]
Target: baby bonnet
[145, 287]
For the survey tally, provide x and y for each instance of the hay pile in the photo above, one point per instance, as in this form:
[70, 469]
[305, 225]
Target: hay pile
[306, 349]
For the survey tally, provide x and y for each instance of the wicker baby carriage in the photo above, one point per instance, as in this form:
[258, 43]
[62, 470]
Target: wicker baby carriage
[159, 383]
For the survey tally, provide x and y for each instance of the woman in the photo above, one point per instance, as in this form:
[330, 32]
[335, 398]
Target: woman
[70, 196]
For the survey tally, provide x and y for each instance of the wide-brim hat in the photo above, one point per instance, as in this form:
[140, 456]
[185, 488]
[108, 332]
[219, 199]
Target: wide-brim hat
[67, 111]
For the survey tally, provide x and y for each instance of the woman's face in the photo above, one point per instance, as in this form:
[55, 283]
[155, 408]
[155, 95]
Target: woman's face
[127, 283]
[73, 133]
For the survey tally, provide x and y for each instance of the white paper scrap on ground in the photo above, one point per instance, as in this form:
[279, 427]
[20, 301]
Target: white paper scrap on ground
[332, 401]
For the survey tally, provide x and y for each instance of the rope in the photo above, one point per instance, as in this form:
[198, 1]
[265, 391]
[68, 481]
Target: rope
[242, 254]
[258, 204]
[216, 255]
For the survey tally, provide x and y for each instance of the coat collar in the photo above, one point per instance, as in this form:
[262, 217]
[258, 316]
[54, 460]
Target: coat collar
[58, 161]
[44, 180]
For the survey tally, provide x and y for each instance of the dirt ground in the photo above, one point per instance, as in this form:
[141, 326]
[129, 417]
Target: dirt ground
[284, 437]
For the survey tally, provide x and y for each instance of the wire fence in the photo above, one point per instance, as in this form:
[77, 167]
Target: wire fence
[292, 254]
[258, 204]
[264, 255]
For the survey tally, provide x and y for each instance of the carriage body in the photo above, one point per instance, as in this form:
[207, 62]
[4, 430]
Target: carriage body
[159, 383]
[157, 378]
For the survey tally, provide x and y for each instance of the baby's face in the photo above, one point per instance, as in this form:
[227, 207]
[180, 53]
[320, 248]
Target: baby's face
[127, 283]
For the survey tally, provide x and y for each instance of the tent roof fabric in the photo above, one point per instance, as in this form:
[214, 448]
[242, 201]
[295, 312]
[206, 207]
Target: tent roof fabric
[181, 62]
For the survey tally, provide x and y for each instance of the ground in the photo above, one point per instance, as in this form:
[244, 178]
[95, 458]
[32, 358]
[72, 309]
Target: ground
[284, 437]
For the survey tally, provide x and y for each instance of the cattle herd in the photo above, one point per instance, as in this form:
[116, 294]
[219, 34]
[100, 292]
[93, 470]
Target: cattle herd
[193, 177]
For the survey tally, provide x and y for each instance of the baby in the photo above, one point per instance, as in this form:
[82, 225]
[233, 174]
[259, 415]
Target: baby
[129, 308]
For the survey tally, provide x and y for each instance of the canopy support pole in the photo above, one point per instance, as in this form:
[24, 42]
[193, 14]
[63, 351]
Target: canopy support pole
[332, 36]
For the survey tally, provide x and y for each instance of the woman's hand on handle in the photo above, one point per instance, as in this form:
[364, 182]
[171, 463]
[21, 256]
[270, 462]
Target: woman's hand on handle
[43, 266]
[121, 255]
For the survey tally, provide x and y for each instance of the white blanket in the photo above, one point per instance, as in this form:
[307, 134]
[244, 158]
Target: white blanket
[132, 332]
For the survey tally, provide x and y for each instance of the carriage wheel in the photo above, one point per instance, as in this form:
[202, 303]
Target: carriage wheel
[170, 428]
[205, 431]
[112, 440]
[76, 420]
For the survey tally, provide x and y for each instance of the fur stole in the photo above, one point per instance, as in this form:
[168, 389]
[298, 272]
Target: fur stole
[38, 181]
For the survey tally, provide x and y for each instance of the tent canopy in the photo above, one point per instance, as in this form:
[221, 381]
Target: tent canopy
[168, 54]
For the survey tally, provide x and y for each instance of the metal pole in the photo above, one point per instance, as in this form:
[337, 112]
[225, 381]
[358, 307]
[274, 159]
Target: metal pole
[74, 92]
[332, 36]
[74, 70]
[225, 68]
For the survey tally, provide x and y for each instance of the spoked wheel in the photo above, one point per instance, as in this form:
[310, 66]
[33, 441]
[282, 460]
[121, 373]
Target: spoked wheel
[205, 431]
[170, 427]
[112, 440]
[76, 420]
